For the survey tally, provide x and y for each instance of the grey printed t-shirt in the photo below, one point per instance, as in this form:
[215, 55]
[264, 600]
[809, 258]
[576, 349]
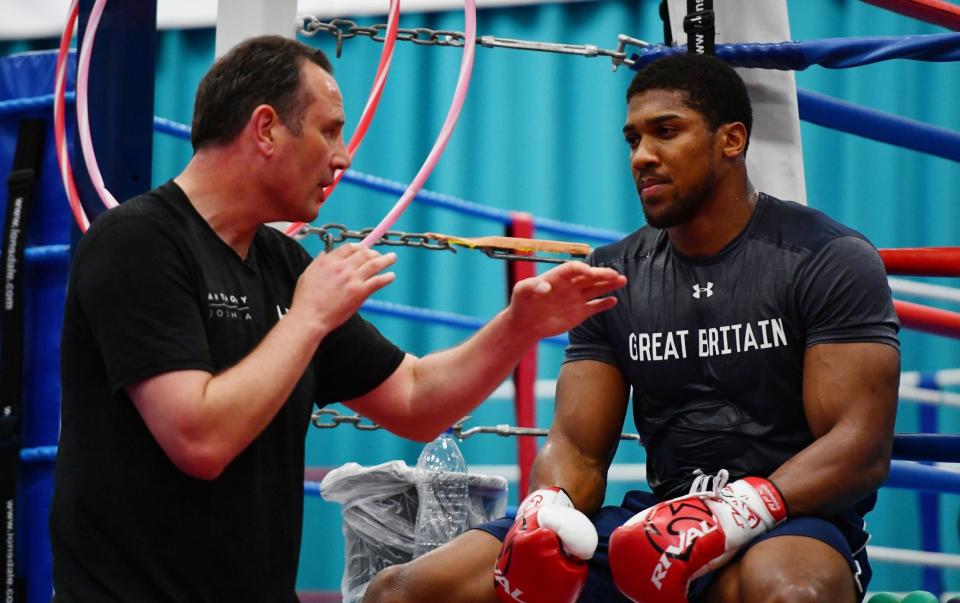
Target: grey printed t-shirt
[713, 346]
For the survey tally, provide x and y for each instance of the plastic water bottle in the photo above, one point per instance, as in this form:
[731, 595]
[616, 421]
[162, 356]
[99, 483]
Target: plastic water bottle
[441, 476]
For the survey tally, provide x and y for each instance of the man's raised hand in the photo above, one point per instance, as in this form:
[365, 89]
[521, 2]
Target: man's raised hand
[335, 284]
[563, 297]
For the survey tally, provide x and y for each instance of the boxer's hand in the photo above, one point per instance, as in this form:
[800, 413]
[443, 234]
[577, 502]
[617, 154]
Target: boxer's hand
[657, 553]
[543, 557]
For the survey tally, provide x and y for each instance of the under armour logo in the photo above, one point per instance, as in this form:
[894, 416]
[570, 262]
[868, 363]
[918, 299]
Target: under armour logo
[697, 290]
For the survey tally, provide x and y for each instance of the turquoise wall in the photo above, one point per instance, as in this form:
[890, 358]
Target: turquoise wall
[541, 133]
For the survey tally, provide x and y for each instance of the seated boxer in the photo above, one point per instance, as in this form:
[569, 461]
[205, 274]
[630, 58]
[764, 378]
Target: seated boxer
[760, 341]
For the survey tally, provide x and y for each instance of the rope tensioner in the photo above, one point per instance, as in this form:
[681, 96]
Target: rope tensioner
[345, 29]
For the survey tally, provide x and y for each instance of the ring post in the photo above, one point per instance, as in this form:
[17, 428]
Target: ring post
[929, 502]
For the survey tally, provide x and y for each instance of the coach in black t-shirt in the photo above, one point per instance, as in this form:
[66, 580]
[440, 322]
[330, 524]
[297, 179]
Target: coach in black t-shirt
[759, 339]
[196, 341]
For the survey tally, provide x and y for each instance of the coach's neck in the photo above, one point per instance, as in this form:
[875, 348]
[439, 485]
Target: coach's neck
[222, 184]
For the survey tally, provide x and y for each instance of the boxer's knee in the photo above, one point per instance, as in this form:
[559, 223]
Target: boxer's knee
[798, 592]
[388, 586]
[785, 585]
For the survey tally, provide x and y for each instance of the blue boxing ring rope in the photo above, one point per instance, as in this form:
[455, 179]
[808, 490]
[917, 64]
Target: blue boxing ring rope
[833, 53]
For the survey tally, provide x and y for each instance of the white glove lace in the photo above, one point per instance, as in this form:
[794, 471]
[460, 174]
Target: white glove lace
[709, 484]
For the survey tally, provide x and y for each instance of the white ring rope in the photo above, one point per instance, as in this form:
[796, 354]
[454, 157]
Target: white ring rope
[909, 390]
[908, 557]
[942, 378]
[922, 395]
[927, 290]
[618, 472]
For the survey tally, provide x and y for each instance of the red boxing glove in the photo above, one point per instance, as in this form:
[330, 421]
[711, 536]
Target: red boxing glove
[543, 558]
[659, 551]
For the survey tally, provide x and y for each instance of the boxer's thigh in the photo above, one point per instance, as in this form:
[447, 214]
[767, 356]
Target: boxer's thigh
[786, 568]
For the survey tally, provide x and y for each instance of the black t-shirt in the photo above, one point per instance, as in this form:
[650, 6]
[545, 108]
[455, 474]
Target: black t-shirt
[713, 346]
[153, 289]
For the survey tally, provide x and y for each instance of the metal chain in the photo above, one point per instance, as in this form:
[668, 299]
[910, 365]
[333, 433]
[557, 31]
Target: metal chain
[336, 420]
[332, 234]
[344, 29]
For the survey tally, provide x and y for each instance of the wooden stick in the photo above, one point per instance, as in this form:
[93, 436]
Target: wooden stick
[515, 244]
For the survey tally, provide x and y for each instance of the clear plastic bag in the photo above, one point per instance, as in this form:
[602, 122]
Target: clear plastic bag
[379, 506]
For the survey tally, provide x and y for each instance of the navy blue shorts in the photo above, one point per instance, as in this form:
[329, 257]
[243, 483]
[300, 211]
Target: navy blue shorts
[600, 586]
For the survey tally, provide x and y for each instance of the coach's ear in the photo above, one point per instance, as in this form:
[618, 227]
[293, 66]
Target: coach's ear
[262, 127]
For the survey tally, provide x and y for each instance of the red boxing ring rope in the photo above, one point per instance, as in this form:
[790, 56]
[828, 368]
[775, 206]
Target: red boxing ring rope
[922, 261]
[937, 12]
[925, 261]
[927, 319]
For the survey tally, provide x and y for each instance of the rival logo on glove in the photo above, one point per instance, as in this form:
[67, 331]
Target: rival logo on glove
[677, 543]
[500, 579]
